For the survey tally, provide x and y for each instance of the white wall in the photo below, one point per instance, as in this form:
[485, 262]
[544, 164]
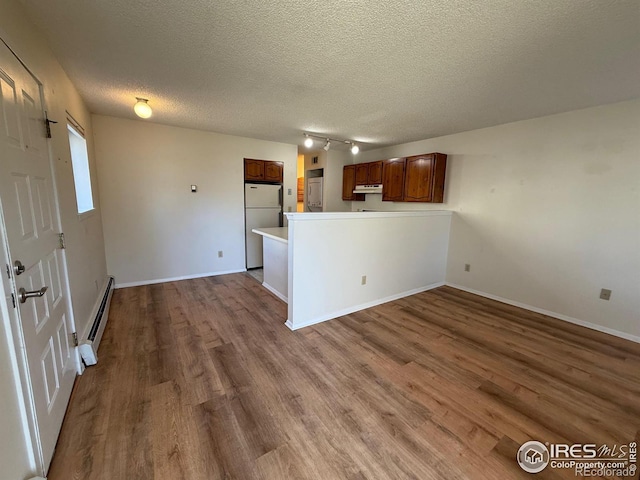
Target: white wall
[400, 254]
[85, 246]
[548, 212]
[332, 163]
[154, 227]
[336, 160]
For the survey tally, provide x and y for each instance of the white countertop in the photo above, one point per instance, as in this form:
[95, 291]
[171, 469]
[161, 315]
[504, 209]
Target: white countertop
[279, 234]
[303, 216]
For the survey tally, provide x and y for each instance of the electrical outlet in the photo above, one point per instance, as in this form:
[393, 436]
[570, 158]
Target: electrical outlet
[219, 253]
[194, 188]
[467, 267]
[364, 280]
[605, 294]
[288, 209]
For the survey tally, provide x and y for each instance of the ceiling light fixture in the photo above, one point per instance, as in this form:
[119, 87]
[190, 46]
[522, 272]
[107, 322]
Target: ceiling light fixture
[142, 108]
[308, 142]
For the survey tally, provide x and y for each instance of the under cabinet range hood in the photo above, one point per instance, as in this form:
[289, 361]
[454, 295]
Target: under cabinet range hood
[368, 189]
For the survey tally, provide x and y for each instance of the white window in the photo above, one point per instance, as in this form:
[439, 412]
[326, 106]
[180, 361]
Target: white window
[81, 174]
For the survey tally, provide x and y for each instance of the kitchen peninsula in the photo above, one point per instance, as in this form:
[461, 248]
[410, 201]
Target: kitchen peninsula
[275, 251]
[328, 264]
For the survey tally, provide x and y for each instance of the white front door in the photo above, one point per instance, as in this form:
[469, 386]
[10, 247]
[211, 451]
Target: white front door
[31, 222]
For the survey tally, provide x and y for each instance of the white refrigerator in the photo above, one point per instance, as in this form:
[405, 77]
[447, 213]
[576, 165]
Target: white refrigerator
[263, 209]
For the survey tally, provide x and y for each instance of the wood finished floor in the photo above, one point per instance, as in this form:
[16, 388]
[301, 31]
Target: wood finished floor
[200, 379]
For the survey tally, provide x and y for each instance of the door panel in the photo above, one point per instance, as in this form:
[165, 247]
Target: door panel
[30, 221]
[9, 118]
[262, 196]
[24, 206]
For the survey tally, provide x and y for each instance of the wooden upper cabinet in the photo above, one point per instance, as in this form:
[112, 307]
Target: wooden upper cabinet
[418, 178]
[369, 173]
[263, 171]
[362, 173]
[412, 179]
[375, 173]
[273, 172]
[424, 178]
[393, 180]
[253, 170]
[349, 183]
[439, 173]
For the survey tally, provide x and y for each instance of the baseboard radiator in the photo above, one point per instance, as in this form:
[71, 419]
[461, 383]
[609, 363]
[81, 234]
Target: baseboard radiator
[89, 346]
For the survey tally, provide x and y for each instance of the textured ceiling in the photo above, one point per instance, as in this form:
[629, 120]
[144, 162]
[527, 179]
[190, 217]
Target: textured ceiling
[380, 72]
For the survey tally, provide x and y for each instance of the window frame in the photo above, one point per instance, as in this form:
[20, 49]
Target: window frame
[73, 128]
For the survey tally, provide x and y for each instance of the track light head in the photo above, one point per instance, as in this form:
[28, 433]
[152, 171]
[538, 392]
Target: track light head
[142, 108]
[327, 145]
[308, 142]
[354, 149]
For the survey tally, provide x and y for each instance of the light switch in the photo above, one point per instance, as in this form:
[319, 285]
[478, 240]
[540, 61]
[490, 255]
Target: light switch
[194, 188]
[289, 191]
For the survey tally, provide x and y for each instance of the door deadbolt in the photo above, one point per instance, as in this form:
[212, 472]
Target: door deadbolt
[18, 267]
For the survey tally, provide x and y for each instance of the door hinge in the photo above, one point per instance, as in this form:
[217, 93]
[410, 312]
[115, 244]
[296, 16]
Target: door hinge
[13, 300]
[8, 272]
[75, 339]
[47, 124]
[62, 245]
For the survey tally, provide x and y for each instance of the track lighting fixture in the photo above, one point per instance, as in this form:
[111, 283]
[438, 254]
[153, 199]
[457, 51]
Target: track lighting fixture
[142, 108]
[308, 142]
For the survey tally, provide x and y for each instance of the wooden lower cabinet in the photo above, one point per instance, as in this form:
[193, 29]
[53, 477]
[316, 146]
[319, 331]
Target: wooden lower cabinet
[349, 183]
[393, 180]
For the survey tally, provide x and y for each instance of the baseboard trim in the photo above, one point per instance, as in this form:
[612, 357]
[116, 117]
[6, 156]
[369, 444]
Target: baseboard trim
[362, 306]
[176, 279]
[275, 292]
[559, 316]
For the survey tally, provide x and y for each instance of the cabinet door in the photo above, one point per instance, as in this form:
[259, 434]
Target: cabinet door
[273, 172]
[362, 173]
[375, 173]
[253, 170]
[418, 179]
[439, 172]
[349, 183]
[393, 180]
